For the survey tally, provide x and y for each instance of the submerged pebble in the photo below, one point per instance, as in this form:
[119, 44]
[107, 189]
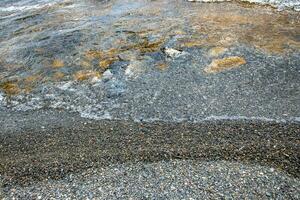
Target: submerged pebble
[173, 53]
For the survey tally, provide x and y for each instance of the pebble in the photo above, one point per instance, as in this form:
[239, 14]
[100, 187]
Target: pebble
[173, 53]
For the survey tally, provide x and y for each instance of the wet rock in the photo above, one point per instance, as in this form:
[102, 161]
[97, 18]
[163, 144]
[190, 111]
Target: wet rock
[61, 43]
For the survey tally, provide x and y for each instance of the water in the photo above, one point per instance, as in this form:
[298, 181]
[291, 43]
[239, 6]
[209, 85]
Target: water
[107, 59]
[279, 4]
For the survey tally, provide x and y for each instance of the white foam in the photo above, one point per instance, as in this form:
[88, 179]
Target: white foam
[96, 116]
[222, 118]
[235, 118]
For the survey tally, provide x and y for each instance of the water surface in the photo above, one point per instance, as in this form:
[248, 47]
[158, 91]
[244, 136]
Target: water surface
[113, 59]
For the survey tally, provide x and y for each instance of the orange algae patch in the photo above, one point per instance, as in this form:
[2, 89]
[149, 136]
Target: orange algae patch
[146, 46]
[57, 63]
[104, 64]
[99, 54]
[86, 74]
[10, 88]
[219, 65]
[107, 58]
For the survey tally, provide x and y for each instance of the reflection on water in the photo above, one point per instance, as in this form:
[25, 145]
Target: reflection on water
[46, 42]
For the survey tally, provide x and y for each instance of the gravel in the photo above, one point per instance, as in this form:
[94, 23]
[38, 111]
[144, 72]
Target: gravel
[64, 156]
[176, 179]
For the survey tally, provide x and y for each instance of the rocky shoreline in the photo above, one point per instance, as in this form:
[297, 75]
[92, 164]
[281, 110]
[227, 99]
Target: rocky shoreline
[59, 144]
[139, 91]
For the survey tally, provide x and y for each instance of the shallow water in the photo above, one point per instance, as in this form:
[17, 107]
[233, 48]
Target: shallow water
[108, 59]
[279, 4]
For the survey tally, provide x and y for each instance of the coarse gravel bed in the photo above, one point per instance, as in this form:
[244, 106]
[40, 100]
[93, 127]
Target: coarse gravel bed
[175, 179]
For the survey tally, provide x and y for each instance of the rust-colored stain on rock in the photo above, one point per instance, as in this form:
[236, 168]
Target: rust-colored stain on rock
[219, 65]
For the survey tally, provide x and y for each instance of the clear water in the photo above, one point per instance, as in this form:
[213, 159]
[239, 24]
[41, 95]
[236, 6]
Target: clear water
[106, 59]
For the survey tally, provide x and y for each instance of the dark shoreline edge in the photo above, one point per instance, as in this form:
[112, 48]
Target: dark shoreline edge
[49, 144]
